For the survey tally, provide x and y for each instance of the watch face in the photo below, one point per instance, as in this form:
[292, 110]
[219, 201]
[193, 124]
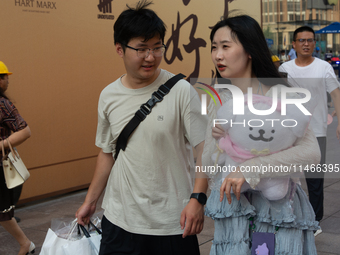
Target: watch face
[201, 197]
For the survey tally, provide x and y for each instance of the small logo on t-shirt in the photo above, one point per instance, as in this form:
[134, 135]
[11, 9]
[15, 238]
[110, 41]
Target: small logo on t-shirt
[160, 117]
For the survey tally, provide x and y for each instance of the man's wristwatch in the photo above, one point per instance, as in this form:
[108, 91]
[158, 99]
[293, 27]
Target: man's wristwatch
[201, 197]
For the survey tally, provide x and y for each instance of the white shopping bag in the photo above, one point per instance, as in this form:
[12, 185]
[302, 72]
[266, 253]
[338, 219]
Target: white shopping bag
[72, 243]
[84, 246]
[53, 244]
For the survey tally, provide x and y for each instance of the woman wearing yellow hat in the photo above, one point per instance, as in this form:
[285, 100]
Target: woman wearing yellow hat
[14, 128]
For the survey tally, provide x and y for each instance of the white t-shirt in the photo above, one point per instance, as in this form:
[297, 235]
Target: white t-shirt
[150, 184]
[318, 77]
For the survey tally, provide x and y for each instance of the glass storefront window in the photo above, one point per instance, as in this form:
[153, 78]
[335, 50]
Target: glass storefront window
[297, 6]
[290, 6]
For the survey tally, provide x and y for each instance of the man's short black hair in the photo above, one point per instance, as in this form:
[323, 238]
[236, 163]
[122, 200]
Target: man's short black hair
[138, 22]
[303, 29]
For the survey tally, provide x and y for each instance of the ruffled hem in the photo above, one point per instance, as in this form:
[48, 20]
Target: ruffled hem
[295, 212]
[293, 215]
[218, 210]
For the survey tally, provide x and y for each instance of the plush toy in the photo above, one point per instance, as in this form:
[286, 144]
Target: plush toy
[252, 135]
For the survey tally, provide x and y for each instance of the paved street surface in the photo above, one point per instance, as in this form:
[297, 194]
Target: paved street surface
[36, 217]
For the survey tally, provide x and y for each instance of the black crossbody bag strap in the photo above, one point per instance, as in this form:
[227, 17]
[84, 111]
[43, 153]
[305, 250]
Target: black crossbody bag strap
[145, 110]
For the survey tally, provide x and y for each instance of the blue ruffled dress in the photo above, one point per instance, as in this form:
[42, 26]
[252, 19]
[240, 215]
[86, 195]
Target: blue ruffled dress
[293, 215]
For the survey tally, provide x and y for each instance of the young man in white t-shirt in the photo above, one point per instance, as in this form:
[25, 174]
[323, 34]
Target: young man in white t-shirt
[149, 208]
[318, 76]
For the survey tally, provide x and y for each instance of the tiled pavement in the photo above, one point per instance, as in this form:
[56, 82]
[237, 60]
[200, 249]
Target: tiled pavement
[36, 217]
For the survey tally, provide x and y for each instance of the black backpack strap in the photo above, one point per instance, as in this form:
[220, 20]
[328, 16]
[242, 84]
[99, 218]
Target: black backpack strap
[145, 110]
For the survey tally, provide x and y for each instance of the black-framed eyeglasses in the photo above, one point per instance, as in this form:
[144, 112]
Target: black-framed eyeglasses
[144, 52]
[303, 41]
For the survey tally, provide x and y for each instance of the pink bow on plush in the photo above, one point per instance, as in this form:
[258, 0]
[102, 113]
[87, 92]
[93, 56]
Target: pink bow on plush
[236, 153]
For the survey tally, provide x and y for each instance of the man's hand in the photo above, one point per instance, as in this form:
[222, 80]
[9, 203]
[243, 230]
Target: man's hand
[192, 218]
[85, 212]
[235, 181]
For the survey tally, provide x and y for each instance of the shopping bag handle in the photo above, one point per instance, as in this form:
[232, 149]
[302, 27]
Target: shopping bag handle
[14, 153]
[86, 232]
[97, 229]
[3, 149]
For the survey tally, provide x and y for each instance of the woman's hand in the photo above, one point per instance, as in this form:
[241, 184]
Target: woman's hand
[235, 181]
[218, 132]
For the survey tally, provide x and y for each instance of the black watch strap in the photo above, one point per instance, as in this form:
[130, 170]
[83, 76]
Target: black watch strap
[201, 197]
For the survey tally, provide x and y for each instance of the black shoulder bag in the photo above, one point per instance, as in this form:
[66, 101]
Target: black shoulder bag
[145, 110]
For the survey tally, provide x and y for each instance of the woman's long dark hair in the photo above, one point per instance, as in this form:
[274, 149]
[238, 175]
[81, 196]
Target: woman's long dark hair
[249, 33]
